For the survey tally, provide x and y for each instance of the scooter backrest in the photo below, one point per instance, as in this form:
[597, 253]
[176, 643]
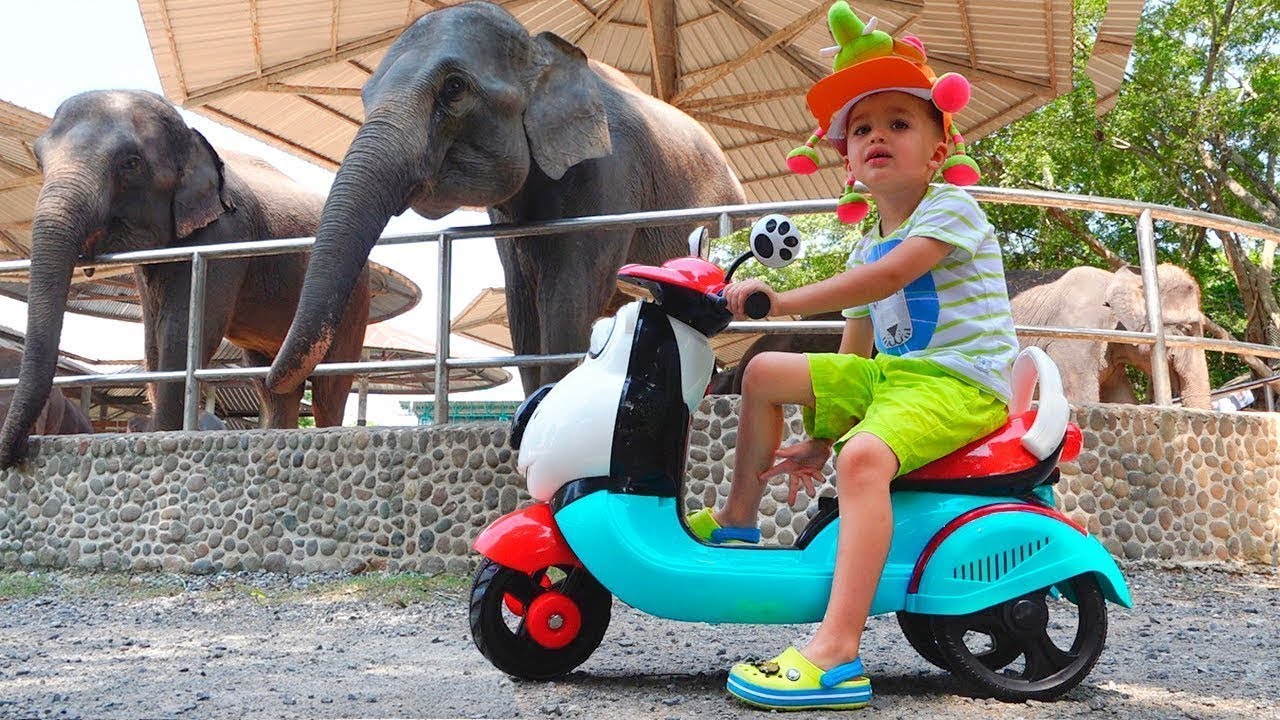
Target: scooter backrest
[1046, 433]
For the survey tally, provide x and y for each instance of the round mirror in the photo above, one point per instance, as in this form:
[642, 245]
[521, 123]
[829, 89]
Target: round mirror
[775, 240]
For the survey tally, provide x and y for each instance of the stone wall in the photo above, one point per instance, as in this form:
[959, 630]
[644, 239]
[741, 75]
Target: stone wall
[1171, 484]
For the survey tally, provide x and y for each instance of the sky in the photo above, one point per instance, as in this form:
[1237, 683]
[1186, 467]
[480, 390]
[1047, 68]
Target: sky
[53, 50]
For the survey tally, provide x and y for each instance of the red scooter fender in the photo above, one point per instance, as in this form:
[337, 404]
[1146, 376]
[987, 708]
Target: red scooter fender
[526, 540]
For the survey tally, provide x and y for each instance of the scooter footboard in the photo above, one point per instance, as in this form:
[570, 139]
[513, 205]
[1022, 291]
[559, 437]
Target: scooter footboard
[999, 552]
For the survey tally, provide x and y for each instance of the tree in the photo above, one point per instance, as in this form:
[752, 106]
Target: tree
[1197, 125]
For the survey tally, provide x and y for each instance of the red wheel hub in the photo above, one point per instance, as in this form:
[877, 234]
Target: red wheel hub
[514, 603]
[553, 620]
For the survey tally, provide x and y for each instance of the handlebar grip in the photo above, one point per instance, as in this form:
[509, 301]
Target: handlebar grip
[757, 305]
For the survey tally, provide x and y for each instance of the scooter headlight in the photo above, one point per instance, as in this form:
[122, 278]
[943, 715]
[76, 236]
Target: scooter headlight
[601, 330]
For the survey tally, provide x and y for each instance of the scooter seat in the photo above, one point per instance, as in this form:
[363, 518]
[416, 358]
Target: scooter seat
[996, 463]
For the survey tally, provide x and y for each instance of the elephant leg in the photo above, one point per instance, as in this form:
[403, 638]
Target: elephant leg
[47, 418]
[150, 305]
[57, 408]
[523, 319]
[1116, 388]
[567, 309]
[278, 410]
[329, 392]
[168, 289]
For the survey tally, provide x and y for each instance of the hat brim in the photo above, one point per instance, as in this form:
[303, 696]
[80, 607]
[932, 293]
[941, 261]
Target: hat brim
[830, 94]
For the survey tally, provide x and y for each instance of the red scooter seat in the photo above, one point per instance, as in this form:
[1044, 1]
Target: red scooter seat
[1020, 455]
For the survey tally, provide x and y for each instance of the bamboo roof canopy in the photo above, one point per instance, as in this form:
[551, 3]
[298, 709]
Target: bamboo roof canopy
[1110, 56]
[19, 178]
[110, 292]
[289, 72]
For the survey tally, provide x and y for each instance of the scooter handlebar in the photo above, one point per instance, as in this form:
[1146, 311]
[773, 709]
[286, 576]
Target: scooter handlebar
[757, 304]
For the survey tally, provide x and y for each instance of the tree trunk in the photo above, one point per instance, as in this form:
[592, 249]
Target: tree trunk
[1261, 308]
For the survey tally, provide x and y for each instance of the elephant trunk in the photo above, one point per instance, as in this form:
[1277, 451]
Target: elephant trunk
[70, 216]
[1192, 375]
[372, 184]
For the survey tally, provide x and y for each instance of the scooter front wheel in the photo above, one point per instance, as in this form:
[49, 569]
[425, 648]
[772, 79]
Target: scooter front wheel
[1049, 652]
[562, 617]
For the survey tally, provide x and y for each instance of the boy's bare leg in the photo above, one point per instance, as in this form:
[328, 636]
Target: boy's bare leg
[773, 379]
[864, 469]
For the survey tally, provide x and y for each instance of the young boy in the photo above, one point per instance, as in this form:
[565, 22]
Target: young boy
[927, 287]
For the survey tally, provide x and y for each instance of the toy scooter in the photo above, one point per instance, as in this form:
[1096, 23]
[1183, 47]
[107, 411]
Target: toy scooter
[979, 562]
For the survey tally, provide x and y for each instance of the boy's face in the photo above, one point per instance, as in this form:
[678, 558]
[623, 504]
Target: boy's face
[893, 143]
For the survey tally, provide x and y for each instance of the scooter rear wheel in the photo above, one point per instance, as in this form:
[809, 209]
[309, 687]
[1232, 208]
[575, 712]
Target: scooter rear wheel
[918, 630]
[1041, 669]
[506, 639]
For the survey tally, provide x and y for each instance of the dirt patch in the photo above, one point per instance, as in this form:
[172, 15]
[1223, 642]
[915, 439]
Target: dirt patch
[1202, 642]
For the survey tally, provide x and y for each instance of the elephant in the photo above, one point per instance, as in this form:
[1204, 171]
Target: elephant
[467, 109]
[123, 171]
[58, 415]
[1090, 297]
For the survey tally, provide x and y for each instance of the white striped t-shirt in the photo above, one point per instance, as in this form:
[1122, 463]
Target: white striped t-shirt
[957, 314]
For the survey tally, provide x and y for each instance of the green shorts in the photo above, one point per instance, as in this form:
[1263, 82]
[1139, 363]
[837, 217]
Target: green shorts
[917, 408]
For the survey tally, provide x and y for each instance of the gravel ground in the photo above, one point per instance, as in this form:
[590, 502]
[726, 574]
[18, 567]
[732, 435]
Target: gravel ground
[1202, 642]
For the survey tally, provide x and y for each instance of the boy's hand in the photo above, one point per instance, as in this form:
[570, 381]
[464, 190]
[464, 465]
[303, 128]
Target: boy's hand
[803, 463]
[735, 295]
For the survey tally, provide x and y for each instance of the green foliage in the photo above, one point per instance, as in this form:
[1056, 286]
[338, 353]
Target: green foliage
[827, 243]
[307, 421]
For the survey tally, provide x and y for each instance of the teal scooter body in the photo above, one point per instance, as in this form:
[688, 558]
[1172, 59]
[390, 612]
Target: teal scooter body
[636, 546]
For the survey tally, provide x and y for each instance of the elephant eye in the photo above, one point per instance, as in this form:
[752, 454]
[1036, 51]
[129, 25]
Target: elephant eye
[452, 88]
[131, 165]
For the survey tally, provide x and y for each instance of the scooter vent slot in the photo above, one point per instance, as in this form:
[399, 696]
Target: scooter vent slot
[995, 566]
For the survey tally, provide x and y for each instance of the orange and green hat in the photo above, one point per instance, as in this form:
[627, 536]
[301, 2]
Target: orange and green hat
[869, 61]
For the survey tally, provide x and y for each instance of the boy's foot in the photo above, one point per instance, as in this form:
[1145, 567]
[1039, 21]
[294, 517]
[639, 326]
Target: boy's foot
[791, 682]
[704, 525]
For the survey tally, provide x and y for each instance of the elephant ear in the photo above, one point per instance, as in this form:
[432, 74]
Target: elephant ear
[565, 120]
[201, 195]
[1124, 297]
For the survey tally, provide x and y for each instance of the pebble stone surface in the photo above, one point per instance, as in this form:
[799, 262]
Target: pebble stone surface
[1150, 483]
[1202, 642]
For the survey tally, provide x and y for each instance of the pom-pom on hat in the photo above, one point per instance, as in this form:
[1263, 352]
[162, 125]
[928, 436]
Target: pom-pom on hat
[869, 61]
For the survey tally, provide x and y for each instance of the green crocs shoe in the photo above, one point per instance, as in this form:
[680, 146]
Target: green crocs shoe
[791, 682]
[704, 525]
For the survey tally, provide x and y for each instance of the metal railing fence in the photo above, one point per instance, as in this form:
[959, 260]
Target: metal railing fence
[1145, 213]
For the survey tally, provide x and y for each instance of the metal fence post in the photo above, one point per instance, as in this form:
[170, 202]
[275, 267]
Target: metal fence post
[443, 323]
[726, 228]
[362, 404]
[195, 333]
[1160, 388]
